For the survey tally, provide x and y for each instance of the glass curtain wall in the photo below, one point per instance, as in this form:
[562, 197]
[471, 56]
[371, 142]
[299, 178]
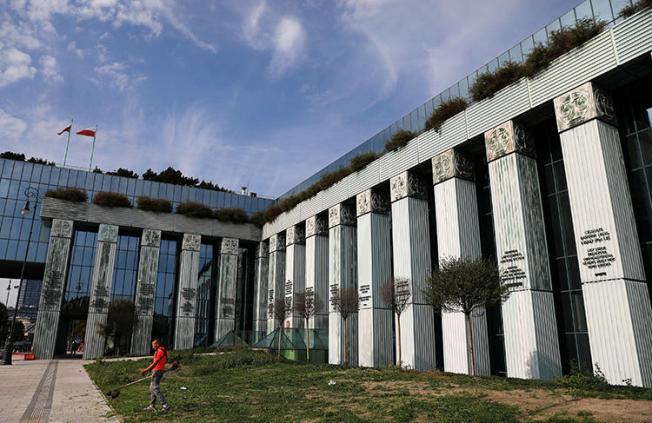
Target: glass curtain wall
[166, 283]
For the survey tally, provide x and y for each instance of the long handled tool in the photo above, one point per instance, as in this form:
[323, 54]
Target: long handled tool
[113, 394]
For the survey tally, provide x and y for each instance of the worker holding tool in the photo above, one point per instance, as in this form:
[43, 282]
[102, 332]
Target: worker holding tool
[158, 369]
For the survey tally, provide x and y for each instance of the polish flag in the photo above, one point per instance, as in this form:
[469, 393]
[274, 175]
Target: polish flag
[66, 129]
[87, 133]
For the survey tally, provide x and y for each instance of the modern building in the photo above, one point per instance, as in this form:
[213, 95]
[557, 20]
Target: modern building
[548, 177]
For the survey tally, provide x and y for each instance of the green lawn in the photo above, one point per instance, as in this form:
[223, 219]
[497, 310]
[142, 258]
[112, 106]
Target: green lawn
[252, 386]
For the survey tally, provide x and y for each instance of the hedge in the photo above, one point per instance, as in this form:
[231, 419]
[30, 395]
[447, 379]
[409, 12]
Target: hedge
[631, 9]
[156, 205]
[193, 209]
[68, 194]
[446, 110]
[111, 199]
[234, 215]
[399, 140]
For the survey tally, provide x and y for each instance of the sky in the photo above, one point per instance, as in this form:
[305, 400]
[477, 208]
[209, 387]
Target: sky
[257, 93]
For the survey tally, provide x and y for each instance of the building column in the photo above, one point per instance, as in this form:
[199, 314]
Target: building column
[261, 274]
[150, 245]
[276, 279]
[317, 269]
[618, 312]
[295, 273]
[411, 258]
[458, 235]
[342, 271]
[529, 320]
[225, 307]
[54, 283]
[374, 227]
[184, 333]
[98, 305]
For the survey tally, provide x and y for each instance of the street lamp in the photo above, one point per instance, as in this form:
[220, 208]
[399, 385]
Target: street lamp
[30, 194]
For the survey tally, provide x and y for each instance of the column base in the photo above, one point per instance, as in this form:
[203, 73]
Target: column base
[141, 337]
[418, 348]
[184, 333]
[45, 337]
[456, 351]
[375, 348]
[94, 341]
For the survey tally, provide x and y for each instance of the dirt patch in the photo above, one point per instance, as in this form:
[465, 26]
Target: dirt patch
[413, 387]
[543, 404]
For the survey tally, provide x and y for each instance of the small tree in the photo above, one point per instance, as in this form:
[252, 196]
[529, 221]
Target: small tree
[465, 284]
[307, 305]
[345, 301]
[396, 294]
[279, 310]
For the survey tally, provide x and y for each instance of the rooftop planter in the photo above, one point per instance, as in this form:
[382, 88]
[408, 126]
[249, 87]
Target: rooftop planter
[445, 111]
[194, 209]
[75, 195]
[111, 199]
[399, 140]
[632, 9]
[156, 205]
[233, 215]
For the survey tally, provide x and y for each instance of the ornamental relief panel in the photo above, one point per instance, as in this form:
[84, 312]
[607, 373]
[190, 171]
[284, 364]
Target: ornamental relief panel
[316, 225]
[151, 238]
[107, 233]
[276, 243]
[406, 184]
[508, 138]
[340, 215]
[262, 250]
[61, 228]
[229, 246]
[371, 201]
[451, 164]
[584, 103]
[294, 235]
[191, 242]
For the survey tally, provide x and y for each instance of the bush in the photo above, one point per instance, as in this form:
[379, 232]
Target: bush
[38, 160]
[111, 199]
[259, 218]
[445, 111]
[156, 205]
[361, 161]
[399, 140]
[584, 380]
[193, 209]
[124, 173]
[12, 156]
[489, 83]
[69, 194]
[631, 9]
[234, 215]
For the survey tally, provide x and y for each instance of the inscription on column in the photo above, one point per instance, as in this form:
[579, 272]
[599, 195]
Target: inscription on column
[364, 293]
[597, 256]
[511, 268]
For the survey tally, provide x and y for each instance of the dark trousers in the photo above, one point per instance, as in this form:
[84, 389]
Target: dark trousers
[155, 388]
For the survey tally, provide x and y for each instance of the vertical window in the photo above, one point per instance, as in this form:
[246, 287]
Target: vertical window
[80, 272]
[166, 280]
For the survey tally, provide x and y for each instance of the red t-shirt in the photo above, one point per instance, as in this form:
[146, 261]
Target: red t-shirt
[161, 356]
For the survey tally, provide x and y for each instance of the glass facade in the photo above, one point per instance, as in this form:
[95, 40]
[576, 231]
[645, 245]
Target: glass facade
[206, 287]
[164, 297]
[80, 273]
[606, 10]
[126, 268]
[564, 265]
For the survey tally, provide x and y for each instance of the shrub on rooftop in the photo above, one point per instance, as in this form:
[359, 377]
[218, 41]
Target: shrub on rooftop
[446, 110]
[362, 160]
[156, 205]
[636, 7]
[233, 215]
[193, 209]
[111, 199]
[489, 83]
[399, 140]
[68, 194]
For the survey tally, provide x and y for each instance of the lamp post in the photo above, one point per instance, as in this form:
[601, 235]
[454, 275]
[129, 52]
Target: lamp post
[30, 194]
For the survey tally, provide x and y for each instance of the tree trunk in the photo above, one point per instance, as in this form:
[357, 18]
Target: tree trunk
[308, 340]
[469, 332]
[398, 339]
[280, 335]
[345, 361]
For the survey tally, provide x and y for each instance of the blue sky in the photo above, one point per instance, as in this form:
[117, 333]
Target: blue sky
[242, 92]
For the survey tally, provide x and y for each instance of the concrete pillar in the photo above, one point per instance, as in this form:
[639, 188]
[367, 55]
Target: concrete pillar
[529, 320]
[317, 269]
[225, 304]
[295, 273]
[184, 333]
[150, 245]
[342, 271]
[618, 312]
[261, 274]
[411, 257]
[374, 227]
[276, 280]
[54, 282]
[458, 235]
[98, 305]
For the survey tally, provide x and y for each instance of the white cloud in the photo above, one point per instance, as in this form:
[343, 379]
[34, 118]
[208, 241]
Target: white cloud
[117, 74]
[251, 25]
[72, 46]
[14, 66]
[11, 127]
[289, 40]
[50, 69]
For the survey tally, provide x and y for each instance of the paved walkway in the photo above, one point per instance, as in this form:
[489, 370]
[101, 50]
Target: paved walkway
[56, 391]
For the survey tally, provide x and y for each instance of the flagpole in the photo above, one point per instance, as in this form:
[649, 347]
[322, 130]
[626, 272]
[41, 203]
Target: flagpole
[65, 157]
[90, 165]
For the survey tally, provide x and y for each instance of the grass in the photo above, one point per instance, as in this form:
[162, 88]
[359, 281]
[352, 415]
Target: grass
[244, 386]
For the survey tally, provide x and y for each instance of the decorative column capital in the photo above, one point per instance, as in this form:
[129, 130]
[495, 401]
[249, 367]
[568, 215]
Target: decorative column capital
[229, 246]
[191, 242]
[583, 104]
[61, 228]
[276, 243]
[150, 238]
[316, 225]
[107, 233]
[510, 137]
[262, 250]
[451, 164]
[340, 214]
[371, 201]
[406, 184]
[294, 235]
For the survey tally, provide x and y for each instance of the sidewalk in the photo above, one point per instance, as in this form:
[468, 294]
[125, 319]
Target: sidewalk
[56, 391]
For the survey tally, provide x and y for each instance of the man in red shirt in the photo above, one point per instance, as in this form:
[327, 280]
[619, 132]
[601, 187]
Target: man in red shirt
[157, 367]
